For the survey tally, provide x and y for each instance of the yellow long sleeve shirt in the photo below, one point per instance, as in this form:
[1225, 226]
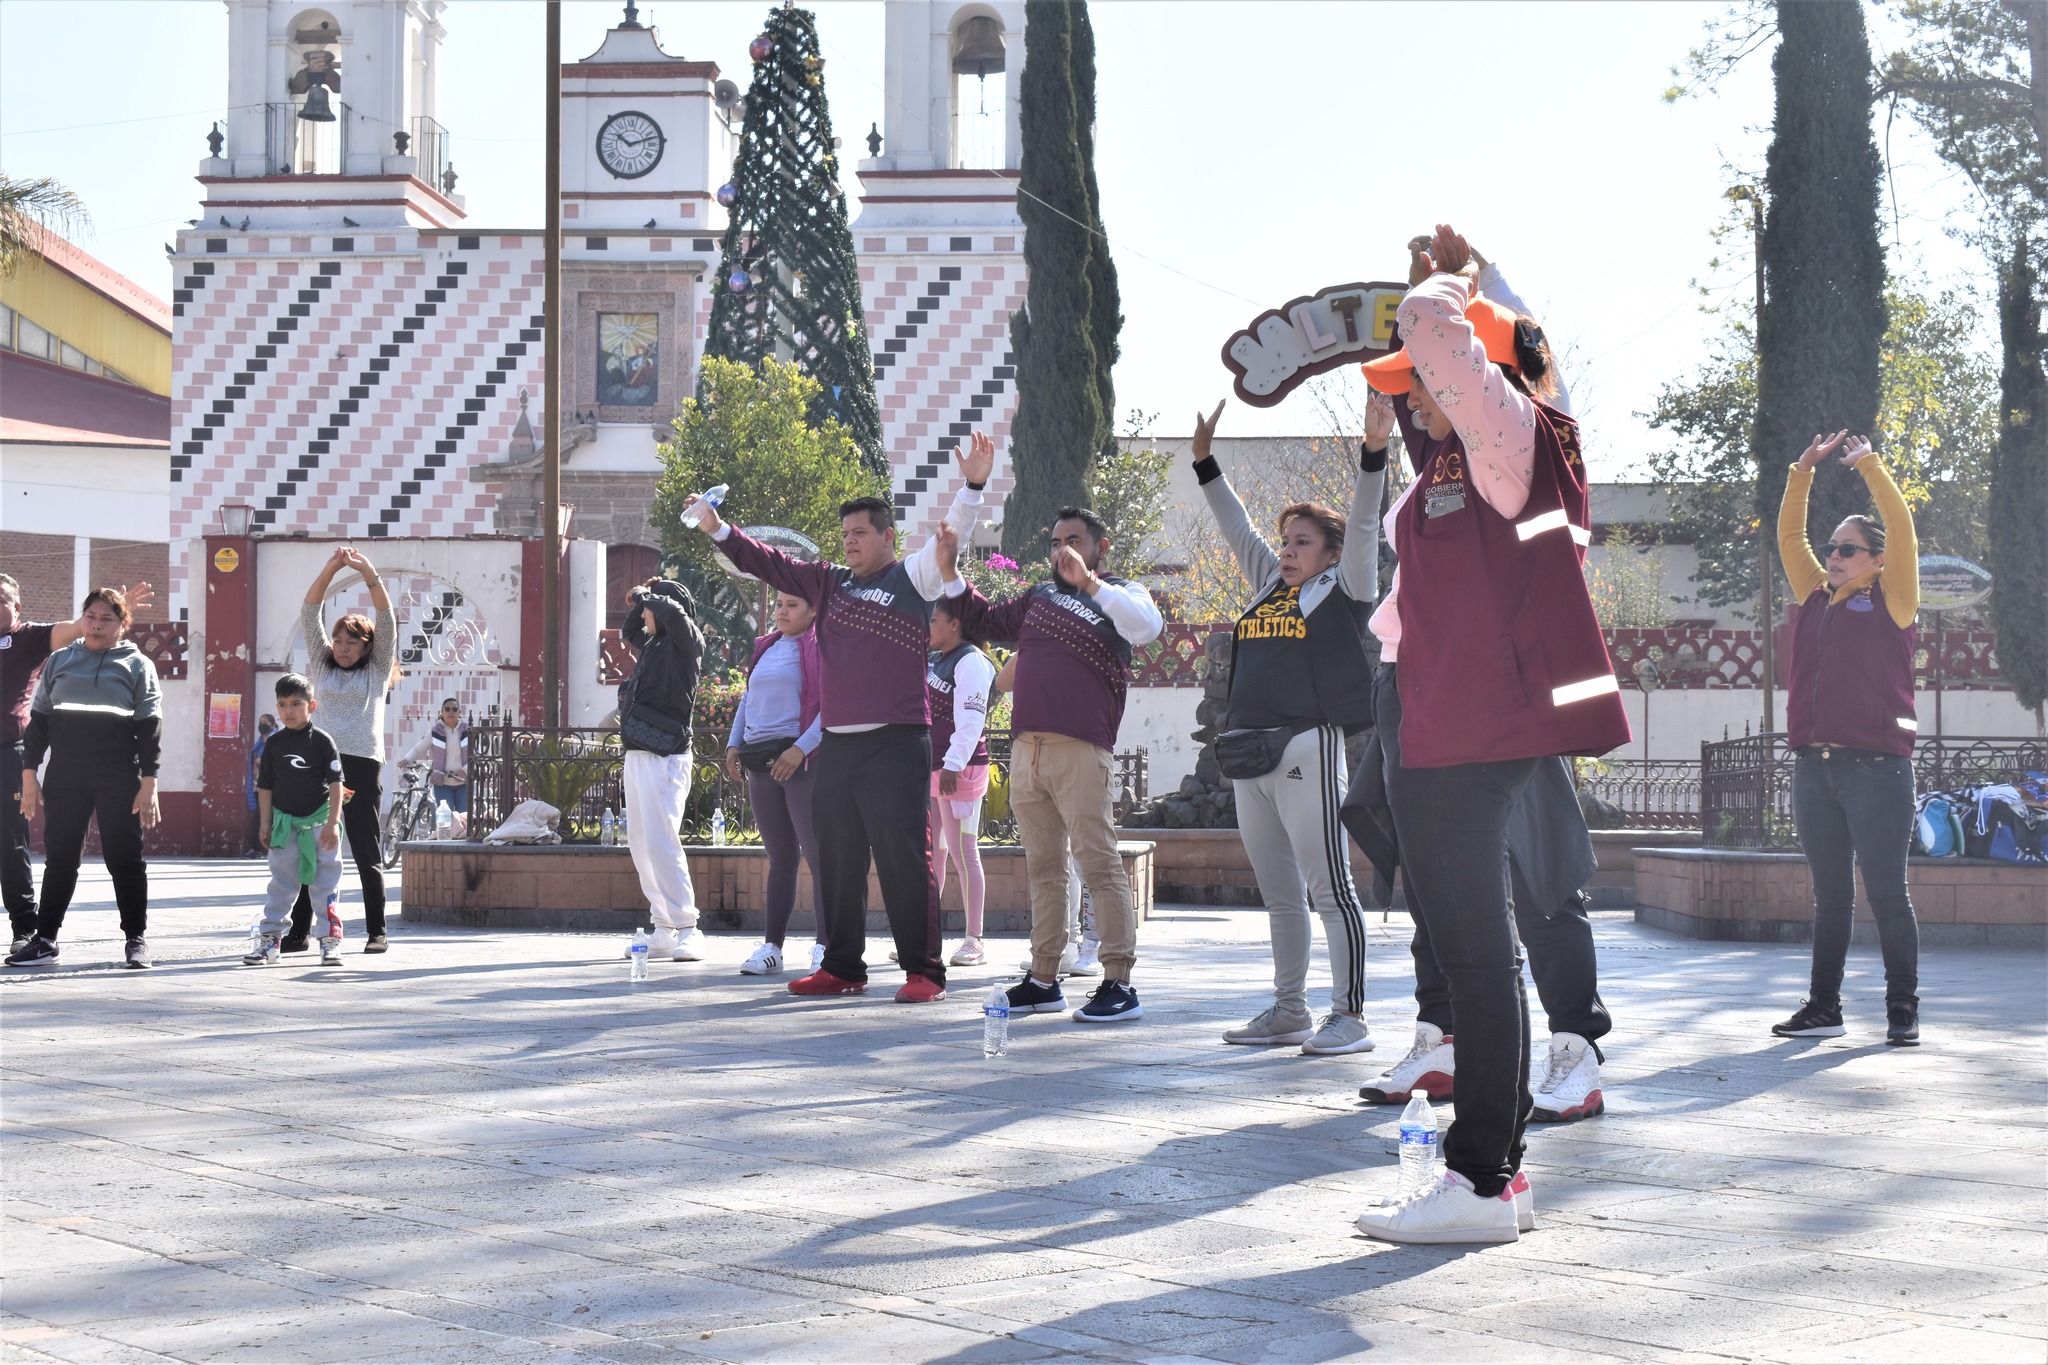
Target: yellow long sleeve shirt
[1900, 576]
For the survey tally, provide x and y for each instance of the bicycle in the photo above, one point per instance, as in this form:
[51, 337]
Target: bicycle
[411, 815]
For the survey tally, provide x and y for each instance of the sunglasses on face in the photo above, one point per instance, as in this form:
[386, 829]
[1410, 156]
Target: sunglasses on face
[1847, 549]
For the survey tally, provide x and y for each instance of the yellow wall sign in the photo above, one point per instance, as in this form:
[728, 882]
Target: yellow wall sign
[226, 559]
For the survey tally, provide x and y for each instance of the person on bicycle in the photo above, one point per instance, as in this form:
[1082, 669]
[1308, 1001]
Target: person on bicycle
[445, 751]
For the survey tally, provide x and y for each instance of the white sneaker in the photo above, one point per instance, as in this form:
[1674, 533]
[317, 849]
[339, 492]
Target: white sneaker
[765, 960]
[1338, 1034]
[1272, 1028]
[1429, 1066]
[689, 946]
[968, 954]
[1068, 960]
[1451, 1212]
[1571, 1083]
[663, 944]
[1525, 1202]
[817, 956]
[1088, 961]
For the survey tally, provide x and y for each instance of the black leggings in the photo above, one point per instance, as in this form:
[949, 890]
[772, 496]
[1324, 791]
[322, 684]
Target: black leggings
[70, 801]
[871, 800]
[363, 821]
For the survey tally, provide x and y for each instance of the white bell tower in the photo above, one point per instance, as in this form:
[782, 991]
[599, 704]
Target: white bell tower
[344, 90]
[939, 239]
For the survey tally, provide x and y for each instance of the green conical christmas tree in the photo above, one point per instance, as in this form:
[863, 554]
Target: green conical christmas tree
[788, 284]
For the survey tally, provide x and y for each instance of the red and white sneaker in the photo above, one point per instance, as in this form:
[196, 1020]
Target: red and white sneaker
[1571, 1082]
[822, 982]
[1525, 1202]
[919, 990]
[1428, 1066]
[1450, 1212]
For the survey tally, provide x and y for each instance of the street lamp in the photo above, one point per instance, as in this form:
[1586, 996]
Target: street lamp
[235, 518]
[1648, 679]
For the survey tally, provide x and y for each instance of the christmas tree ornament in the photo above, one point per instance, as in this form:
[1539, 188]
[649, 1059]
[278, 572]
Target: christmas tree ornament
[761, 49]
[739, 282]
[728, 195]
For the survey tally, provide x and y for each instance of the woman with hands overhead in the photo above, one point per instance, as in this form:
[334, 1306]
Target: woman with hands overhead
[1498, 663]
[655, 706]
[1298, 682]
[353, 671]
[1851, 722]
[871, 797]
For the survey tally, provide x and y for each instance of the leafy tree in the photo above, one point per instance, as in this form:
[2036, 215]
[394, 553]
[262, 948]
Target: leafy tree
[1060, 424]
[1105, 315]
[788, 243]
[1936, 425]
[749, 428]
[28, 209]
[1627, 582]
[1127, 488]
[2019, 490]
[1823, 321]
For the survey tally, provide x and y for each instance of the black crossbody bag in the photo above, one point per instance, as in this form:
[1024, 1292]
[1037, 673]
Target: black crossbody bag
[760, 756]
[644, 727]
[1246, 754]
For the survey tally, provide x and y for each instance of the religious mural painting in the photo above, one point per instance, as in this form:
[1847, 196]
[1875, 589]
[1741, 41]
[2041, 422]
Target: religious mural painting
[628, 359]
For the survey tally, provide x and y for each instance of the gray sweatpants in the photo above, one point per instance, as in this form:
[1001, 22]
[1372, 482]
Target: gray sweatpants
[284, 889]
[1288, 820]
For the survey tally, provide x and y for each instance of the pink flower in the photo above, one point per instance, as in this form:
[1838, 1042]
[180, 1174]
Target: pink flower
[1001, 561]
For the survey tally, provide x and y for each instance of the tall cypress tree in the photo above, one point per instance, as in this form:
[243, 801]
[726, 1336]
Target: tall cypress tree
[1823, 322]
[1106, 317]
[1059, 424]
[788, 284]
[2018, 511]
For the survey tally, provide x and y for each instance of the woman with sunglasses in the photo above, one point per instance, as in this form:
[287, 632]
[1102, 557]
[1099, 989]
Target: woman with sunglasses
[352, 673]
[1850, 719]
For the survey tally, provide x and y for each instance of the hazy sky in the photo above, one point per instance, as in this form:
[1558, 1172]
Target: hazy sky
[1248, 152]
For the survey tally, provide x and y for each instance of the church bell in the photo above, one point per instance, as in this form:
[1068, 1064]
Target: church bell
[316, 109]
[980, 49]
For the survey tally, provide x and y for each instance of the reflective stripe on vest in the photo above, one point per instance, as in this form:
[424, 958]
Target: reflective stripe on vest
[1551, 521]
[1583, 691]
[1908, 723]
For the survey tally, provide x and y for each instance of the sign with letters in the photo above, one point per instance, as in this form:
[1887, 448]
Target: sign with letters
[1308, 336]
[224, 715]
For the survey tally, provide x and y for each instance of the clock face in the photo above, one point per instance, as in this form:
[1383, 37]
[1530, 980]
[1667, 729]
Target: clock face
[629, 145]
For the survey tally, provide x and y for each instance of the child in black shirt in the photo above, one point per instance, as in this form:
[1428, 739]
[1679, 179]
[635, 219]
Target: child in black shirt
[298, 819]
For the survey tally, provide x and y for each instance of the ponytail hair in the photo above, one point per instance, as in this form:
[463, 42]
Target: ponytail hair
[1534, 370]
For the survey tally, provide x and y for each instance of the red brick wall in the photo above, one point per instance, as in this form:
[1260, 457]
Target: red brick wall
[124, 563]
[42, 565]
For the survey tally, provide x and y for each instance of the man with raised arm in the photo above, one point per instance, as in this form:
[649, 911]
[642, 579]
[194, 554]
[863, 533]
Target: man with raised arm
[871, 795]
[1074, 635]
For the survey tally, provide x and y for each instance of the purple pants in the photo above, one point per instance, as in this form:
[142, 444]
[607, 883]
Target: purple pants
[782, 812]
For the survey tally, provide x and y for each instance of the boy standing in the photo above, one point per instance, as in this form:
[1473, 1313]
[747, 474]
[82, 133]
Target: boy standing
[298, 819]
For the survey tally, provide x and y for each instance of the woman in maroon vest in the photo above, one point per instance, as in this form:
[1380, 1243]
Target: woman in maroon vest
[1499, 663]
[1851, 722]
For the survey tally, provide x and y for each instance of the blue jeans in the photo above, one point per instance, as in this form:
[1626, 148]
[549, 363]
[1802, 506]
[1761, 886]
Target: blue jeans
[1855, 808]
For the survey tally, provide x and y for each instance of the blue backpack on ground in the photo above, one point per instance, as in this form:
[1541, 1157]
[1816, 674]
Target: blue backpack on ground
[1938, 829]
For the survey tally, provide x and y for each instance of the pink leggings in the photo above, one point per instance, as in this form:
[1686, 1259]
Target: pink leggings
[952, 844]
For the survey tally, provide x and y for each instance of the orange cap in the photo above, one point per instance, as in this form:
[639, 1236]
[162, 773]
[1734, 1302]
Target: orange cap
[1494, 324]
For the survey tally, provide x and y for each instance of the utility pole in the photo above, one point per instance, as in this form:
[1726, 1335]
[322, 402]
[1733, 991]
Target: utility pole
[551, 383]
[1766, 596]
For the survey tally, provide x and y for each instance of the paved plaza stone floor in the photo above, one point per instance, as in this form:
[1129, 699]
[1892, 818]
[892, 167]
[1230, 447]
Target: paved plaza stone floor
[491, 1146]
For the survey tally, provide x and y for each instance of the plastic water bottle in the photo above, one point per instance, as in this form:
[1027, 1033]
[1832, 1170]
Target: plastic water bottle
[713, 497]
[995, 1022]
[1418, 1144]
[637, 956]
[444, 821]
[255, 934]
[718, 827]
[620, 837]
[608, 829]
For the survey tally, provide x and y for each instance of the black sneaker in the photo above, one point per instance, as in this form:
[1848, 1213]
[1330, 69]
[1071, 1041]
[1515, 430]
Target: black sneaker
[293, 943]
[138, 955]
[34, 953]
[376, 943]
[1112, 1001]
[1905, 1025]
[1028, 997]
[1814, 1020]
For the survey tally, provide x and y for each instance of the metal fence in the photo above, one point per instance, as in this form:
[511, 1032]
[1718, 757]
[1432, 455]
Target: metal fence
[581, 772]
[1660, 793]
[1746, 784]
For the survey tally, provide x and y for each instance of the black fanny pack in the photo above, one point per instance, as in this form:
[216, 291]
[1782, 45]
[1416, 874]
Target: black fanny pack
[760, 756]
[1245, 754]
[657, 732]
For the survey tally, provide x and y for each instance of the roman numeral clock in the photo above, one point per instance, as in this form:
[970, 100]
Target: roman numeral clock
[629, 145]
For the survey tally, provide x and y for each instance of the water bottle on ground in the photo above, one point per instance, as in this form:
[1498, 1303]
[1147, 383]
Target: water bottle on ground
[1418, 1145]
[608, 829]
[620, 837]
[718, 827]
[444, 821]
[713, 497]
[637, 956]
[995, 1022]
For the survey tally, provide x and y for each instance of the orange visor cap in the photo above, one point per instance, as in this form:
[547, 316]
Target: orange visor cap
[1494, 324]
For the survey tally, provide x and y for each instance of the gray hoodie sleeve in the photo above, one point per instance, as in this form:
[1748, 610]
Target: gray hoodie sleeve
[1358, 570]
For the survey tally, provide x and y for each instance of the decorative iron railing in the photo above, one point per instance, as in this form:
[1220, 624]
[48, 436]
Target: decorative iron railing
[1746, 784]
[1659, 793]
[580, 771]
